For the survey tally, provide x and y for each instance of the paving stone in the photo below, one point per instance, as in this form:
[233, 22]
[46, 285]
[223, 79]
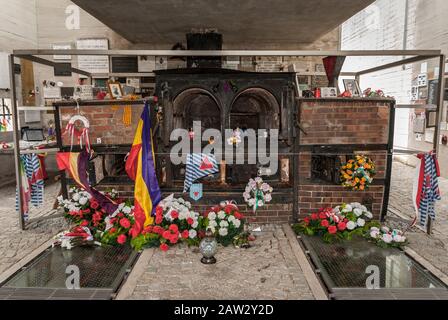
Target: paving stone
[15, 244]
[434, 247]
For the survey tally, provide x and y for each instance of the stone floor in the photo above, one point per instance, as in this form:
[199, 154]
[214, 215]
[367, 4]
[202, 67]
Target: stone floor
[16, 244]
[434, 247]
[268, 270]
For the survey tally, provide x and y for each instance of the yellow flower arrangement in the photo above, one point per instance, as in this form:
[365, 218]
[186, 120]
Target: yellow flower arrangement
[357, 173]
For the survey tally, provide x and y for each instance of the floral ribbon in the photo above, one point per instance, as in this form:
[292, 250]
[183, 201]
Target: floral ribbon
[258, 196]
[364, 174]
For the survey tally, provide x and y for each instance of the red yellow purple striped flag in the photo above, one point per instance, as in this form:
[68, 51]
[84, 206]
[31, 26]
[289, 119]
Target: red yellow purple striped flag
[140, 168]
[75, 163]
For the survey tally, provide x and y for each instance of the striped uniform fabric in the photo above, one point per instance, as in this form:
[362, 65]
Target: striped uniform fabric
[199, 165]
[428, 187]
[32, 182]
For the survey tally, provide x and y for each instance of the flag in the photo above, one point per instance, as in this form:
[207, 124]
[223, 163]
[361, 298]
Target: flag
[75, 163]
[140, 168]
[199, 165]
[426, 188]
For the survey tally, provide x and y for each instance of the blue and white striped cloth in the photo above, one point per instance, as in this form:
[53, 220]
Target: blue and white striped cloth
[199, 165]
[32, 168]
[430, 192]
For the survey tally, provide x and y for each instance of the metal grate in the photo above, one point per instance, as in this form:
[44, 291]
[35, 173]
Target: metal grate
[343, 265]
[100, 268]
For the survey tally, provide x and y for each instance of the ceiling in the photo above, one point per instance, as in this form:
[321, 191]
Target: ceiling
[241, 22]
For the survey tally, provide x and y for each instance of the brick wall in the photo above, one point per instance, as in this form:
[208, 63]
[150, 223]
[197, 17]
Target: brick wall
[344, 122]
[312, 197]
[106, 122]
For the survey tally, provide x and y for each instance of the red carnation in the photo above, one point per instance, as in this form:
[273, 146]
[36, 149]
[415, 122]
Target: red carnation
[159, 219]
[125, 223]
[174, 214]
[314, 216]
[120, 215]
[121, 239]
[148, 229]
[174, 228]
[324, 223]
[185, 234]
[166, 234]
[164, 247]
[112, 230]
[159, 210]
[73, 213]
[190, 221]
[158, 230]
[94, 205]
[306, 220]
[342, 226]
[174, 238]
[84, 223]
[322, 215]
[238, 215]
[332, 229]
[228, 209]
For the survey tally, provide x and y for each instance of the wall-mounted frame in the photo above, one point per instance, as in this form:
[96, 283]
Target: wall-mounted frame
[431, 118]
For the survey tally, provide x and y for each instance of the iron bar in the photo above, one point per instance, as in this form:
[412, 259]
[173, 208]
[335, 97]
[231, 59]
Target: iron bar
[16, 138]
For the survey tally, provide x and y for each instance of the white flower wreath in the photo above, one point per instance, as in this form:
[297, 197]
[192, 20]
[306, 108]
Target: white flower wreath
[257, 193]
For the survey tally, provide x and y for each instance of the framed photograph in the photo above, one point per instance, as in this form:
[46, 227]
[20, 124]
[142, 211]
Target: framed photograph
[352, 86]
[115, 90]
[329, 92]
[422, 80]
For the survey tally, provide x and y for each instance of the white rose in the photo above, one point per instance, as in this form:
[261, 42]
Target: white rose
[211, 215]
[258, 180]
[375, 229]
[83, 201]
[212, 223]
[231, 218]
[385, 229]
[357, 212]
[397, 238]
[369, 215]
[223, 232]
[268, 197]
[360, 222]
[195, 224]
[221, 215]
[192, 233]
[260, 203]
[188, 204]
[251, 202]
[364, 208]
[337, 209]
[212, 229]
[127, 210]
[347, 208]
[387, 238]
[265, 187]
[351, 225]
[237, 223]
[223, 224]
[76, 197]
[355, 205]
[374, 234]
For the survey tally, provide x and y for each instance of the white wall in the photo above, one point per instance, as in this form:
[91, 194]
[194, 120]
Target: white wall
[383, 26]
